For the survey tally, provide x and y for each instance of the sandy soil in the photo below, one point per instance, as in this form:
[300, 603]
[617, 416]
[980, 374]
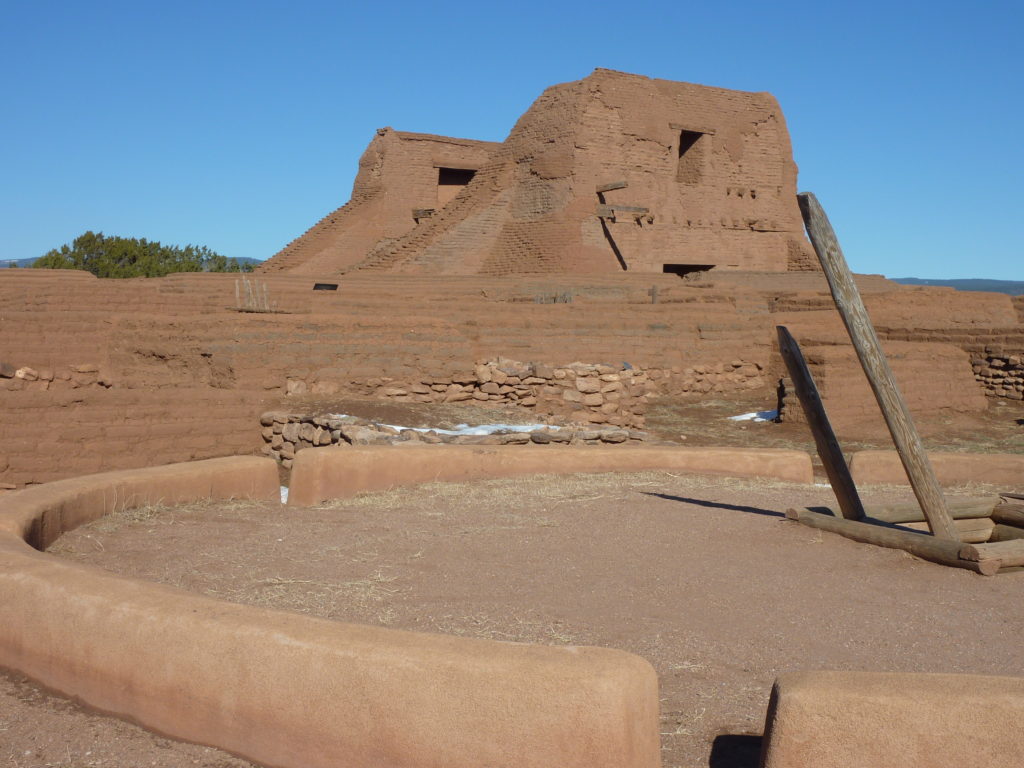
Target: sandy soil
[701, 576]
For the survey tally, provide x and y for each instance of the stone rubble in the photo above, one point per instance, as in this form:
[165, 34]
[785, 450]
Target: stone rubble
[285, 434]
[74, 377]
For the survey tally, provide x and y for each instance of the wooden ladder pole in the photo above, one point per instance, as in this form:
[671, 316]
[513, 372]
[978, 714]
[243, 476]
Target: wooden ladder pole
[824, 438]
[876, 367]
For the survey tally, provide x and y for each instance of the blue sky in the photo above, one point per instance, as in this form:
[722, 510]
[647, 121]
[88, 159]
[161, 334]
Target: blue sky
[237, 125]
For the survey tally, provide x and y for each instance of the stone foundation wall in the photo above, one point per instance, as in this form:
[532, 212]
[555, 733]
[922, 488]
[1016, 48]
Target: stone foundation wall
[584, 393]
[1002, 375]
[285, 434]
[74, 377]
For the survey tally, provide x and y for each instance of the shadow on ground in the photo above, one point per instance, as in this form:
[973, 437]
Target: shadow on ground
[735, 751]
[717, 505]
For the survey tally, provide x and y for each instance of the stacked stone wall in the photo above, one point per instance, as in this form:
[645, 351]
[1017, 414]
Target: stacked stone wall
[578, 392]
[28, 379]
[1001, 374]
[995, 354]
[285, 434]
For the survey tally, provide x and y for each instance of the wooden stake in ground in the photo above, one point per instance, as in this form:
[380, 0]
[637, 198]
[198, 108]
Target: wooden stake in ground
[876, 367]
[824, 438]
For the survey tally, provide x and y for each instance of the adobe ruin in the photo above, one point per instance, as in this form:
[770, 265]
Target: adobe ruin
[611, 173]
[403, 178]
[461, 258]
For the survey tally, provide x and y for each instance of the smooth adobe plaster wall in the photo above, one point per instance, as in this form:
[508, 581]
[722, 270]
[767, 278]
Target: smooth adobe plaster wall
[883, 720]
[337, 472]
[884, 467]
[289, 690]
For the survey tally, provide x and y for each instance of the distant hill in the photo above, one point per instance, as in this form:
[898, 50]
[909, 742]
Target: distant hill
[1012, 287]
[6, 263]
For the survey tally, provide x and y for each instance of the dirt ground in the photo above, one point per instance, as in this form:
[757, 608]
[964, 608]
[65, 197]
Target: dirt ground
[701, 576]
[999, 429]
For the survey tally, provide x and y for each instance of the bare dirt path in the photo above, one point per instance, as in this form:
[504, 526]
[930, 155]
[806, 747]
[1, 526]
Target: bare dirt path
[701, 576]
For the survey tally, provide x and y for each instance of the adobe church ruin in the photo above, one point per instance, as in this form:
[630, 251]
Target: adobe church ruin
[611, 173]
[558, 248]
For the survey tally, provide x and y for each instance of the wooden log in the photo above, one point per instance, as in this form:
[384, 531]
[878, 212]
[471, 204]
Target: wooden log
[910, 512]
[976, 530]
[919, 544]
[602, 188]
[1002, 532]
[611, 210]
[821, 429]
[1011, 514]
[1006, 553]
[876, 367]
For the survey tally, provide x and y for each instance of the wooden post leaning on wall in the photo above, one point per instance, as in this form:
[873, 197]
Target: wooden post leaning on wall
[824, 437]
[876, 367]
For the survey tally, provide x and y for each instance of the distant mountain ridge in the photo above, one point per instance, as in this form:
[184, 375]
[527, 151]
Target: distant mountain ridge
[6, 263]
[1012, 287]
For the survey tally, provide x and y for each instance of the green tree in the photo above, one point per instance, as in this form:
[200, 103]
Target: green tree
[131, 257]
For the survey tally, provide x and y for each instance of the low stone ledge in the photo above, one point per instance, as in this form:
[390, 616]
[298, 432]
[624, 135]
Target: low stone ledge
[332, 473]
[285, 434]
[881, 720]
[86, 375]
[885, 468]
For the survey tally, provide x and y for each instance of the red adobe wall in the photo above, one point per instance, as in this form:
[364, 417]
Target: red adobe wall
[727, 201]
[398, 174]
[850, 403]
[127, 373]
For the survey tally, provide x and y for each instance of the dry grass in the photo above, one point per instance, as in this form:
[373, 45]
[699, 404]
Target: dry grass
[516, 629]
[578, 488]
[313, 597]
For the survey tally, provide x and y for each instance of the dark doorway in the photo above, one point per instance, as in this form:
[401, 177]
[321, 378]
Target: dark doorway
[691, 157]
[685, 270]
[450, 181]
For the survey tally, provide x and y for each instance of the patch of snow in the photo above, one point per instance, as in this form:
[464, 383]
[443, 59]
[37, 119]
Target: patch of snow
[284, 494]
[756, 416]
[465, 429]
